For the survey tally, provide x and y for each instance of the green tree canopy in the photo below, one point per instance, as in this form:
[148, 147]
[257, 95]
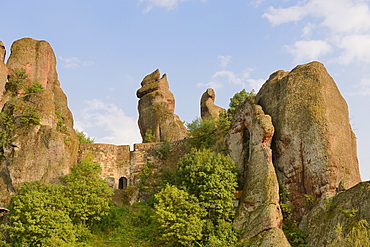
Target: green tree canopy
[179, 216]
[211, 178]
[83, 138]
[239, 98]
[209, 133]
[40, 216]
[89, 194]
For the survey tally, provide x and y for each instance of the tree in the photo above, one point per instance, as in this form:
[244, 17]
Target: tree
[16, 82]
[209, 133]
[89, 194]
[40, 216]
[82, 137]
[34, 88]
[239, 98]
[210, 177]
[179, 215]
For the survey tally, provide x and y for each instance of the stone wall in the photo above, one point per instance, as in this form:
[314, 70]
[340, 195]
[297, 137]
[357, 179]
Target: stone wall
[119, 162]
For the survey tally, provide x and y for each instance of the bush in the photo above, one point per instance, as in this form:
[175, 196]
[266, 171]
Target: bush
[83, 138]
[34, 88]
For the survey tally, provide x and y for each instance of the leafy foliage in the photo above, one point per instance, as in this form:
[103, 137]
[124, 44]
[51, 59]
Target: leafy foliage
[179, 216]
[16, 82]
[83, 138]
[89, 194]
[34, 88]
[209, 133]
[239, 98]
[212, 179]
[40, 216]
[149, 137]
[30, 116]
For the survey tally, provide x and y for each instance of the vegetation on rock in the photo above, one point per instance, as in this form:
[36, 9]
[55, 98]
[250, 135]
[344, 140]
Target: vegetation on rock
[83, 138]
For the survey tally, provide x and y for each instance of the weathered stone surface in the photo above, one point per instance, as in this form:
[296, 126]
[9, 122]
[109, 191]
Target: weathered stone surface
[114, 160]
[207, 105]
[3, 72]
[38, 140]
[314, 147]
[156, 109]
[259, 209]
[271, 238]
[345, 209]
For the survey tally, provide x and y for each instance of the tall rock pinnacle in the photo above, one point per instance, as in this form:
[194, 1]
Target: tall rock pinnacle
[40, 142]
[156, 109]
[207, 105]
[314, 147]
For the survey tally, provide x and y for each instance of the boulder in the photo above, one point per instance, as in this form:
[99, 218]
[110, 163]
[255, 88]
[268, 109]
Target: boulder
[156, 109]
[259, 210]
[38, 141]
[347, 212]
[314, 147]
[207, 105]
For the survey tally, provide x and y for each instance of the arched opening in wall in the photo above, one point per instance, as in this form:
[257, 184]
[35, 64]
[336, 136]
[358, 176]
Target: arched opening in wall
[122, 183]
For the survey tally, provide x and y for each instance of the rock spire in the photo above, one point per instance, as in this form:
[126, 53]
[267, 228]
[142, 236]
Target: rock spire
[156, 109]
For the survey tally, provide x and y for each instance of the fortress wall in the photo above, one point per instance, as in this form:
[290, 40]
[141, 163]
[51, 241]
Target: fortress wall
[119, 162]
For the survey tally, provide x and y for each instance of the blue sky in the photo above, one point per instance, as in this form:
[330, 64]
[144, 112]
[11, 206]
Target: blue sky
[105, 48]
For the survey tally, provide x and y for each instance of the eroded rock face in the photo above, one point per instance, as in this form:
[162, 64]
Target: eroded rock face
[3, 71]
[346, 210]
[314, 147]
[259, 210]
[38, 141]
[207, 105]
[156, 109]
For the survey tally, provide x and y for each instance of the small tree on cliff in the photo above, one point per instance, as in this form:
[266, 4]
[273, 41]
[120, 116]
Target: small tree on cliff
[239, 98]
[16, 82]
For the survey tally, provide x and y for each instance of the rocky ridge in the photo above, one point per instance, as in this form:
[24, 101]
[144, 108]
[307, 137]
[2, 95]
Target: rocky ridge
[294, 133]
[37, 135]
[314, 147]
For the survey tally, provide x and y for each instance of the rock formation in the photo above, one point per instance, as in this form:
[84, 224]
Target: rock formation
[3, 71]
[346, 210]
[207, 105]
[314, 147]
[156, 109]
[259, 211]
[38, 139]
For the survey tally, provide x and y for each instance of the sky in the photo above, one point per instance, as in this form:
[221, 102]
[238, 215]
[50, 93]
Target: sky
[105, 48]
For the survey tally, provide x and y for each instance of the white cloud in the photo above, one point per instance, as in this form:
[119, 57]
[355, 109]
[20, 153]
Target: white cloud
[256, 3]
[167, 4]
[341, 25]
[224, 61]
[222, 77]
[109, 122]
[74, 62]
[306, 51]
[355, 48]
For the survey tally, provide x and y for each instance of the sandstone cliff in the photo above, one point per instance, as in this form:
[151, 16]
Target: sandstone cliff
[156, 109]
[3, 72]
[207, 105]
[314, 147]
[38, 141]
[259, 213]
[344, 211]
